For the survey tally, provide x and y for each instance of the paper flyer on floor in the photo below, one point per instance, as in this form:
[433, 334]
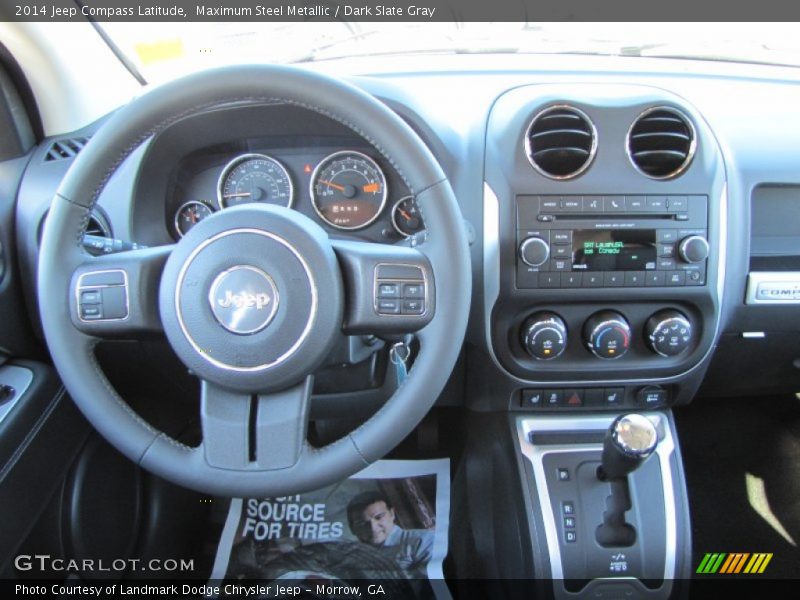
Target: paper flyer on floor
[387, 524]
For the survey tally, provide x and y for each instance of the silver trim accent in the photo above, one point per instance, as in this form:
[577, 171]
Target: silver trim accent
[394, 211]
[275, 297]
[692, 143]
[311, 318]
[491, 290]
[79, 287]
[535, 454]
[314, 199]
[19, 378]
[425, 282]
[753, 335]
[592, 150]
[531, 240]
[184, 205]
[755, 279]
[226, 170]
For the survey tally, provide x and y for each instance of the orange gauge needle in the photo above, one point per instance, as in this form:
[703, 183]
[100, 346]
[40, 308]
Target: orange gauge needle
[333, 185]
[239, 195]
[371, 188]
[404, 213]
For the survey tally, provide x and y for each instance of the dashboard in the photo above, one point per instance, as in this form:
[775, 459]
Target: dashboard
[618, 210]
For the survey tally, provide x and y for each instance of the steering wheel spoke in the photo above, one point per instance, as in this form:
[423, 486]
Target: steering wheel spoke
[254, 432]
[116, 295]
[388, 289]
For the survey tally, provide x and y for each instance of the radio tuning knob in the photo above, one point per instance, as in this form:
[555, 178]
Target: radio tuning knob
[534, 251]
[693, 249]
[607, 334]
[544, 335]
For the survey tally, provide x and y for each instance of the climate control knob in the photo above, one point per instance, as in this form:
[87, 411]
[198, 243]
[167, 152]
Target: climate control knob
[534, 251]
[668, 333]
[607, 334]
[544, 335]
[693, 249]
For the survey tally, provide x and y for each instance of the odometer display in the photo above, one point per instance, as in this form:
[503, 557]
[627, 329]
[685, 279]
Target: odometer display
[348, 190]
[254, 178]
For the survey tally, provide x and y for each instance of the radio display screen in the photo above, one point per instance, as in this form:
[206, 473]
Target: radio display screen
[614, 250]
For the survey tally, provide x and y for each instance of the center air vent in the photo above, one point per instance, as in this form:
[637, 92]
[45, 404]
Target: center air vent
[561, 142]
[661, 142]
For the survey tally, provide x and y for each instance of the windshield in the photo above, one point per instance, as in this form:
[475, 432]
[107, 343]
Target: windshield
[163, 51]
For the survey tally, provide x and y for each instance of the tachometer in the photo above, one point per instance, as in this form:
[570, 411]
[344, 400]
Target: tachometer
[348, 190]
[254, 178]
[190, 214]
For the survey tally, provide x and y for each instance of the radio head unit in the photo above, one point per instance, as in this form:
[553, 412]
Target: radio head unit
[611, 241]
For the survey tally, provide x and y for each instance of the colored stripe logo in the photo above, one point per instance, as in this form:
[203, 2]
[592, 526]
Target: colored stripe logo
[734, 563]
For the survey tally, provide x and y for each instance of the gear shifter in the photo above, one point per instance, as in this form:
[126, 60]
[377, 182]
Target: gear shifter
[629, 441]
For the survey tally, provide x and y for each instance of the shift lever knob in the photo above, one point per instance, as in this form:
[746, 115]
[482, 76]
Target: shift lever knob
[629, 441]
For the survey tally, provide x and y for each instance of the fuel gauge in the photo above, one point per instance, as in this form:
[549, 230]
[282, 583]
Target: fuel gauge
[190, 214]
[406, 217]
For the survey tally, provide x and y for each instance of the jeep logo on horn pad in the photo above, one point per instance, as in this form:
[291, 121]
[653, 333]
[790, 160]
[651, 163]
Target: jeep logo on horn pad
[244, 299]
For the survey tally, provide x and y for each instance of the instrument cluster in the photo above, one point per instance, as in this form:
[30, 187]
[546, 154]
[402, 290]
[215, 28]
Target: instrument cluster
[344, 190]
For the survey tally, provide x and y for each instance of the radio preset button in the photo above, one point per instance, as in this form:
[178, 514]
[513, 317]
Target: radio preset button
[592, 280]
[634, 278]
[549, 280]
[613, 279]
[655, 278]
[571, 280]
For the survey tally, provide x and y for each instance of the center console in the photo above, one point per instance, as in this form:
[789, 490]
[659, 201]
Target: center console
[603, 266]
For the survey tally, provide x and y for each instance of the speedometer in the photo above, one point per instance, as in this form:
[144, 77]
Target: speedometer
[254, 178]
[348, 190]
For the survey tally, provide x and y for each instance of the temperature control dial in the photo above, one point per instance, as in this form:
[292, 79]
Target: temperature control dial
[607, 334]
[668, 333]
[544, 335]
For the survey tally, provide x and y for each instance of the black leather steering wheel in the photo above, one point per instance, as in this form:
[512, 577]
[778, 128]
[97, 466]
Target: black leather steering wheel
[253, 298]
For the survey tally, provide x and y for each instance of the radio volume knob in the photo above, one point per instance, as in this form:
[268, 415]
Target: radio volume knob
[607, 334]
[534, 251]
[544, 335]
[693, 249]
[668, 333]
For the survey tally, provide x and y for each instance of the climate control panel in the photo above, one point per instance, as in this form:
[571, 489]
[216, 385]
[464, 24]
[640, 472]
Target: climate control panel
[608, 335]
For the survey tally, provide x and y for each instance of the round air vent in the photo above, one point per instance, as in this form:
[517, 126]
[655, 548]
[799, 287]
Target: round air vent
[561, 142]
[661, 142]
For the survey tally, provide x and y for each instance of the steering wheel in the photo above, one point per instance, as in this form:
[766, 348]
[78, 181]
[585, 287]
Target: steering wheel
[253, 298]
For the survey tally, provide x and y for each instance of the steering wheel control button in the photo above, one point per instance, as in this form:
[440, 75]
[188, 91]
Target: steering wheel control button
[102, 296]
[389, 290]
[607, 334]
[388, 307]
[400, 290]
[544, 336]
[244, 299]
